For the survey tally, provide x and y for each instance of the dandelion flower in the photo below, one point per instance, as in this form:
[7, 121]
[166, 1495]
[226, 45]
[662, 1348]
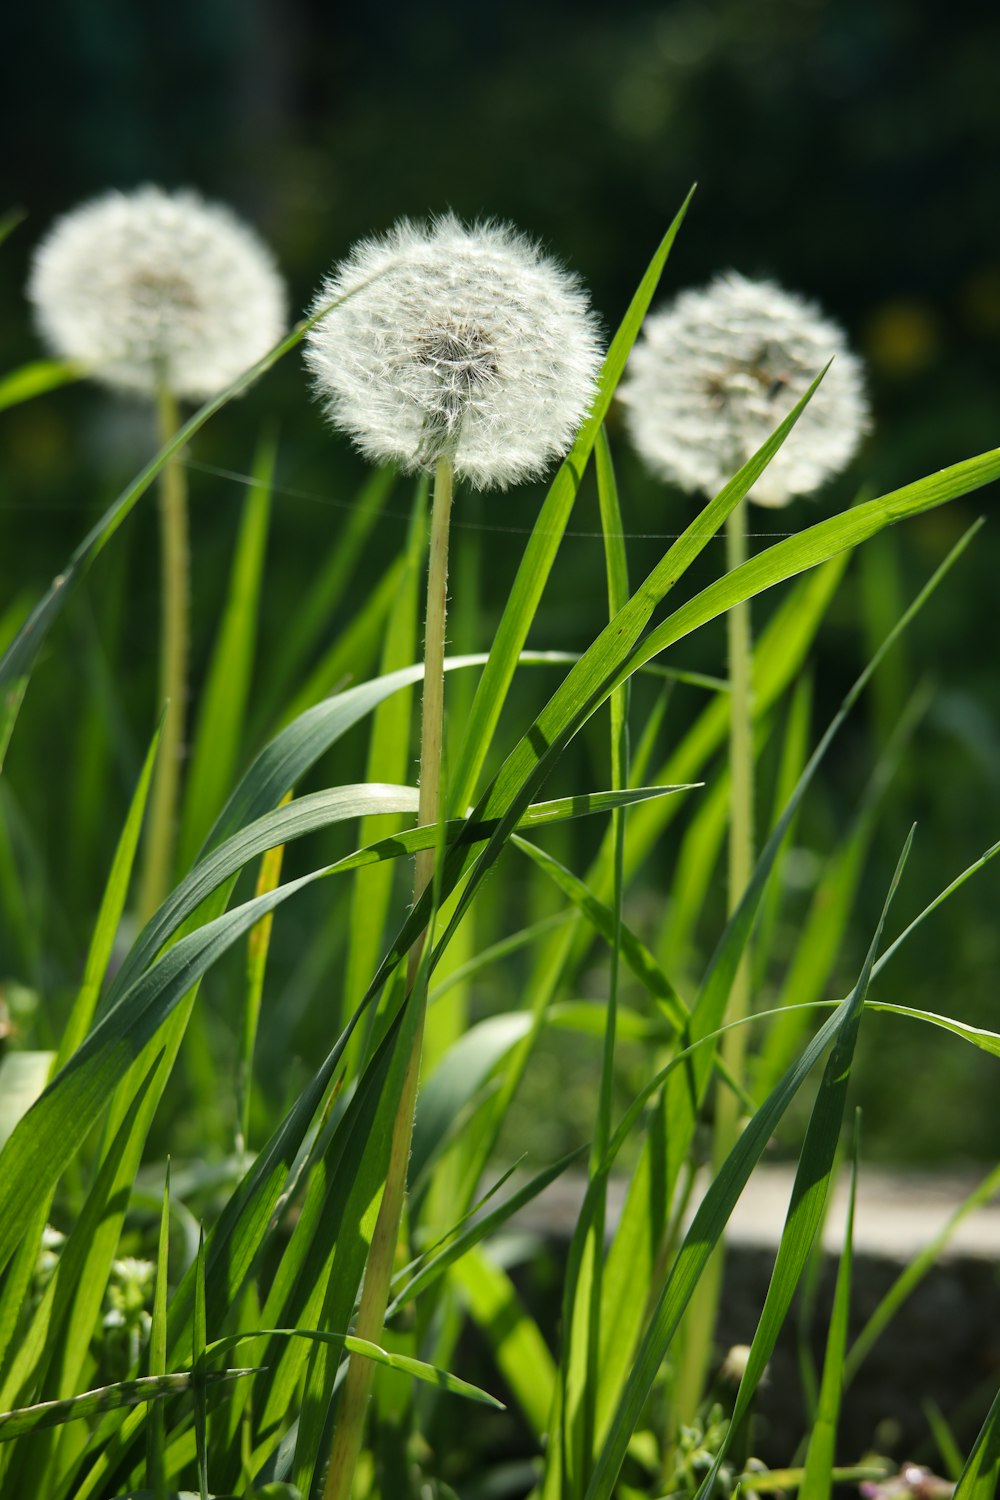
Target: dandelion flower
[714, 374]
[455, 342]
[153, 291]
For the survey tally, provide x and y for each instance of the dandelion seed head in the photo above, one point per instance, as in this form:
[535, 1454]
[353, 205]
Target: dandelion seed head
[150, 288]
[456, 341]
[713, 374]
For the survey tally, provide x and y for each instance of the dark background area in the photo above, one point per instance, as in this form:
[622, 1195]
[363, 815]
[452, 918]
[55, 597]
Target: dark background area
[849, 148]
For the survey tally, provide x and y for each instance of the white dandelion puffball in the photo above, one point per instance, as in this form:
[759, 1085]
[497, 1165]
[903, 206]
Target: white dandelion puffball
[455, 342]
[713, 375]
[153, 289]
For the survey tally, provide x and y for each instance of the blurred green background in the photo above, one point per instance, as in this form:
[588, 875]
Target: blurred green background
[849, 148]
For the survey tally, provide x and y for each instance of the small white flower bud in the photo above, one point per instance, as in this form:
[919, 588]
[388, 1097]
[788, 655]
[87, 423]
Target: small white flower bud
[153, 289]
[713, 375]
[456, 342]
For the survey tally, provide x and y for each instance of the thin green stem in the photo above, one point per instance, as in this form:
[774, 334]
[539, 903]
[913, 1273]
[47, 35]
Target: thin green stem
[382, 1253]
[699, 1326]
[741, 832]
[159, 848]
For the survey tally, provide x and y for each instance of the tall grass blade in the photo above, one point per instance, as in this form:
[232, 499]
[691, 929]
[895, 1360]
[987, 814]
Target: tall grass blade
[219, 730]
[804, 1214]
[817, 1481]
[546, 535]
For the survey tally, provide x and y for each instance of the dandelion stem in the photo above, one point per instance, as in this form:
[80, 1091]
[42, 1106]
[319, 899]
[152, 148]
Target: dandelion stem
[699, 1328]
[741, 835]
[382, 1253]
[173, 667]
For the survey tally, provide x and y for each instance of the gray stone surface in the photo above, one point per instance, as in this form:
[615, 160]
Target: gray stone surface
[943, 1345]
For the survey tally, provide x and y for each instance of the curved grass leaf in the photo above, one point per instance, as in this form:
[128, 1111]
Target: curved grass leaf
[15, 1424]
[979, 1479]
[817, 1481]
[804, 1216]
[418, 1368]
[546, 535]
[36, 379]
[18, 659]
[219, 728]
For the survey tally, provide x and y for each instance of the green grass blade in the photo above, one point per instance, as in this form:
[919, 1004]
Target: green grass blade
[545, 538]
[457, 1079]
[9, 221]
[354, 648]
[914, 1273]
[810, 1191]
[826, 921]
[219, 732]
[258, 946]
[18, 659]
[36, 379]
[388, 760]
[616, 933]
[479, 1229]
[40, 1147]
[199, 1370]
[443, 1380]
[301, 634]
[804, 1214]
[602, 668]
[580, 1361]
[521, 1353]
[110, 914]
[979, 1479]
[46, 1337]
[156, 1436]
[816, 544]
[16, 1424]
[779, 655]
[817, 1481]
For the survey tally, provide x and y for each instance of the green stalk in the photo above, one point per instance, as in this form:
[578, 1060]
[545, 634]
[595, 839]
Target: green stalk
[740, 649]
[699, 1325]
[159, 848]
[382, 1253]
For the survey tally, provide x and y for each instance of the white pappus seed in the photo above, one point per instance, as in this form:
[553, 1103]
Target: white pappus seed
[714, 373]
[152, 289]
[458, 342]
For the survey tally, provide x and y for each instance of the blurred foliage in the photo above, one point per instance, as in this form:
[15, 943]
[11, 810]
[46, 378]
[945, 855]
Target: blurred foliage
[846, 147]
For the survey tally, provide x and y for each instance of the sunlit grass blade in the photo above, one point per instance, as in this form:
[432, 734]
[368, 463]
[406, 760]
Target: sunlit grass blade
[304, 629]
[40, 1147]
[57, 1333]
[156, 1435]
[979, 1479]
[388, 759]
[805, 1211]
[258, 946]
[443, 1380]
[826, 921]
[36, 379]
[219, 728]
[914, 1272]
[16, 1424]
[199, 1370]
[817, 1481]
[479, 1229]
[521, 1354]
[353, 649]
[544, 542]
[110, 914]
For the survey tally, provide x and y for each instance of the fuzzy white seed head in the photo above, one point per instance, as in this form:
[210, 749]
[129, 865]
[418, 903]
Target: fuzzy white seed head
[714, 374]
[153, 289]
[465, 343]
